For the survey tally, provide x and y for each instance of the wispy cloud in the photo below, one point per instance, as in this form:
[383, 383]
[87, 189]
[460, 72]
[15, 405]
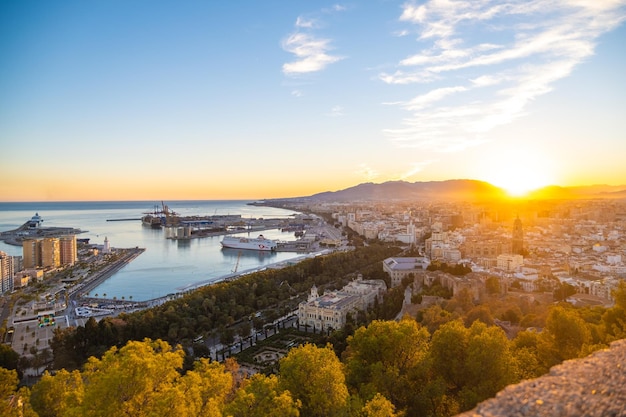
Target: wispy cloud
[303, 22]
[415, 168]
[481, 85]
[367, 173]
[336, 111]
[312, 52]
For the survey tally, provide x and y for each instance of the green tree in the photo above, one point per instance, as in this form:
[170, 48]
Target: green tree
[9, 359]
[449, 353]
[260, 396]
[490, 366]
[434, 317]
[387, 357]
[566, 332]
[379, 406]
[55, 396]
[13, 402]
[315, 377]
[132, 380]
[202, 391]
[481, 313]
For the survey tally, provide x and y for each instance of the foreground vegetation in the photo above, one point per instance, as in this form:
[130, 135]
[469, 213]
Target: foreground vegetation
[388, 368]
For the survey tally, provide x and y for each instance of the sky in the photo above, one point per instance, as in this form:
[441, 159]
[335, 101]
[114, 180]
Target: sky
[173, 100]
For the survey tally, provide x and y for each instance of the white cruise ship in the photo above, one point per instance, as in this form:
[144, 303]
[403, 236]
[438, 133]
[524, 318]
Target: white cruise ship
[259, 243]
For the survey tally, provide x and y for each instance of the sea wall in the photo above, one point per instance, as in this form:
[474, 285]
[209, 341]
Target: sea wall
[594, 386]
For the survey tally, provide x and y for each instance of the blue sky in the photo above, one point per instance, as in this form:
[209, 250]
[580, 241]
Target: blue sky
[170, 100]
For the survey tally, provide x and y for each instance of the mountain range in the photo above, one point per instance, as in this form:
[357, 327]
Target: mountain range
[459, 189]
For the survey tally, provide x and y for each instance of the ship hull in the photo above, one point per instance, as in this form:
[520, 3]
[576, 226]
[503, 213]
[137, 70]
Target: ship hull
[259, 244]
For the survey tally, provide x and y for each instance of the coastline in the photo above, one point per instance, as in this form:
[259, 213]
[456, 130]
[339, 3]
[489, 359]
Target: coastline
[105, 273]
[167, 263]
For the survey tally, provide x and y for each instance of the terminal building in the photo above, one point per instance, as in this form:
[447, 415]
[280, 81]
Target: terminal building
[331, 310]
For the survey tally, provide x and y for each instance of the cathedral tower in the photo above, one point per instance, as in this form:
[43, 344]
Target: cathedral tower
[517, 243]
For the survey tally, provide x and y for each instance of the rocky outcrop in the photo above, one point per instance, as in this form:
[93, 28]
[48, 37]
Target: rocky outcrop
[594, 386]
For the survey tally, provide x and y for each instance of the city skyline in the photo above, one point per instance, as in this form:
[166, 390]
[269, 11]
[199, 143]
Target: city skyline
[204, 100]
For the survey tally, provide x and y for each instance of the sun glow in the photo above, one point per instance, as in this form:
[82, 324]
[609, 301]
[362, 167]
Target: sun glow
[519, 173]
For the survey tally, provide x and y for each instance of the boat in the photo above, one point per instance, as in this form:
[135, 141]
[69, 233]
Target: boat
[160, 216]
[153, 221]
[239, 242]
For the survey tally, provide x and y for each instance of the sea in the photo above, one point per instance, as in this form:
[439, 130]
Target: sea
[167, 266]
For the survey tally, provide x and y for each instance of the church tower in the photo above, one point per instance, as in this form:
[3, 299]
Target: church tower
[517, 243]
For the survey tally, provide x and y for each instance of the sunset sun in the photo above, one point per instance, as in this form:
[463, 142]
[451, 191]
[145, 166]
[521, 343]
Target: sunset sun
[519, 173]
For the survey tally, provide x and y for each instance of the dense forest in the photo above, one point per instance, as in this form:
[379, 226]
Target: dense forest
[445, 360]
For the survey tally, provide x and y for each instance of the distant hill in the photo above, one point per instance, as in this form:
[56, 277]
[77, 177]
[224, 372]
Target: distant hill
[453, 190]
[471, 190]
[591, 191]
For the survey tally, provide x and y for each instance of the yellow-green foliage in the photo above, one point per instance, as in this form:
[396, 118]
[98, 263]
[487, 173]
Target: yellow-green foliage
[389, 368]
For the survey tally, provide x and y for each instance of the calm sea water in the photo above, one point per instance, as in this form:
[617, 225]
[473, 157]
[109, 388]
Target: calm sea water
[167, 264]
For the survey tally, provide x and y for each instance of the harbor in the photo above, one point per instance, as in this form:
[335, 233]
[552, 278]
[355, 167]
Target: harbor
[170, 263]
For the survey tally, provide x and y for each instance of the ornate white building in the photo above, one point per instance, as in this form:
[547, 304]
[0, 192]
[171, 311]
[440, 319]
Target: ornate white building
[331, 310]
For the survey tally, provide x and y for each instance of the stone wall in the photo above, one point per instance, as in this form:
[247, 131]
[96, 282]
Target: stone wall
[594, 386]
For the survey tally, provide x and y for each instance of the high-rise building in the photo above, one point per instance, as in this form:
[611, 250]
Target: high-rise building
[50, 253]
[31, 251]
[7, 270]
[517, 243]
[68, 251]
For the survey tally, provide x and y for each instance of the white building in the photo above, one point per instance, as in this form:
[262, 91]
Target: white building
[331, 310]
[510, 262]
[107, 245]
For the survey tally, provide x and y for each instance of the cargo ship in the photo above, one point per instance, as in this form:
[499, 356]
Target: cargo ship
[259, 243]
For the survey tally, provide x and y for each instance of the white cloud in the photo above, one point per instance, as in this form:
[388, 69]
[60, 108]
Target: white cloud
[311, 54]
[431, 97]
[532, 45]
